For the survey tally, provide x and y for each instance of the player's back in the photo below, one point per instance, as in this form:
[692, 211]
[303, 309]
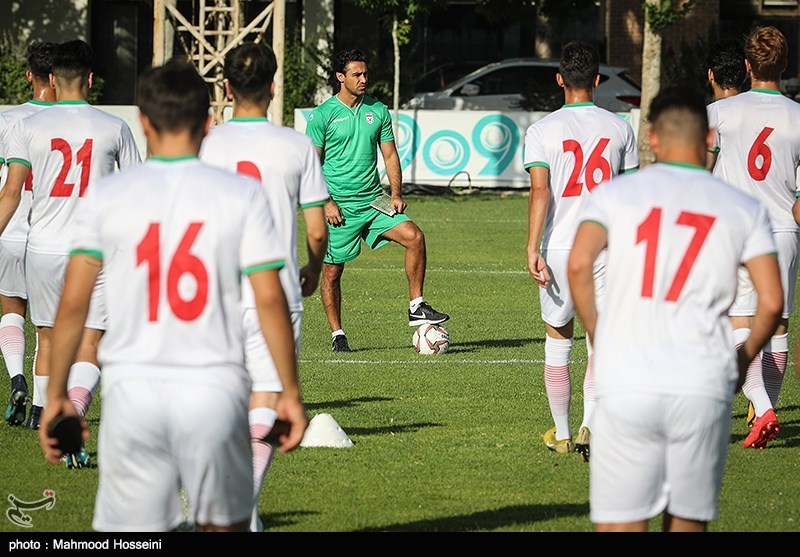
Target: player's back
[758, 136]
[68, 148]
[582, 145]
[173, 234]
[676, 237]
[287, 164]
[17, 228]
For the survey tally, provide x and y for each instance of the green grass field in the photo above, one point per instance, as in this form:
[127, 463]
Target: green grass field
[451, 442]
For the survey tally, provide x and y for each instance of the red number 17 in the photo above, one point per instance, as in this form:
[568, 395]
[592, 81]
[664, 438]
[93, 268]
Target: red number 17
[648, 232]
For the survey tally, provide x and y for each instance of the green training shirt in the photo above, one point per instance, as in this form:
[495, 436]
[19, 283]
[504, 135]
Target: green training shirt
[349, 140]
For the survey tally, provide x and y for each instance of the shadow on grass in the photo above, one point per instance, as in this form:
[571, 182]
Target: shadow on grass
[790, 408]
[789, 437]
[280, 520]
[345, 403]
[489, 519]
[399, 428]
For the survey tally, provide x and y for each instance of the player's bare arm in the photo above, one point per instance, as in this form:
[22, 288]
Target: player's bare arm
[273, 314]
[316, 244]
[12, 192]
[537, 211]
[395, 175]
[590, 240]
[82, 272]
[765, 274]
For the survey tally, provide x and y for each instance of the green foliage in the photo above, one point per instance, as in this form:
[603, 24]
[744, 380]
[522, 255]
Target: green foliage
[300, 77]
[14, 86]
[687, 65]
[403, 10]
[662, 13]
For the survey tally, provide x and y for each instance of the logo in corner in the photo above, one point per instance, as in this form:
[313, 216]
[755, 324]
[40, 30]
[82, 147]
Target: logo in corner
[310, 116]
[16, 512]
[369, 117]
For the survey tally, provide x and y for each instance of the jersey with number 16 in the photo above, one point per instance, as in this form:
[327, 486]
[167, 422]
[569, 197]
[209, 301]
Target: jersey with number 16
[758, 137]
[67, 148]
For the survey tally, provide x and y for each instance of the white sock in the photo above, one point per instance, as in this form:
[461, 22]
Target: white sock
[261, 422]
[589, 398]
[753, 387]
[12, 343]
[773, 365]
[81, 385]
[413, 305]
[557, 383]
[40, 390]
[337, 332]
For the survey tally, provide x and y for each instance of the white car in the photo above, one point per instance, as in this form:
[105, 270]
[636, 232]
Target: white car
[525, 84]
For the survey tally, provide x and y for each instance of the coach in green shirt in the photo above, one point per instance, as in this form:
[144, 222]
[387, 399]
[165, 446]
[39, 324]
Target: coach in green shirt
[347, 130]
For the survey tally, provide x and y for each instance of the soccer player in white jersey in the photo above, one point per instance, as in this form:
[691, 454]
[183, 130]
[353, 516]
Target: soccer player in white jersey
[568, 153]
[174, 237]
[66, 149]
[13, 294]
[665, 365]
[758, 137]
[287, 164]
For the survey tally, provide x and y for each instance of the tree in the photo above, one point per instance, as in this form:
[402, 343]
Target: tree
[399, 14]
[658, 15]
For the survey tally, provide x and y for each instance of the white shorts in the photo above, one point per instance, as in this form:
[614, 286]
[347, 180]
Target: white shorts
[257, 358]
[12, 269]
[45, 274]
[788, 259]
[556, 300]
[652, 453]
[156, 435]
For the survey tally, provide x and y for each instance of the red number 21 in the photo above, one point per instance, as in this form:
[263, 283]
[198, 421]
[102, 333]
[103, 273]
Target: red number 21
[149, 251]
[83, 158]
[648, 233]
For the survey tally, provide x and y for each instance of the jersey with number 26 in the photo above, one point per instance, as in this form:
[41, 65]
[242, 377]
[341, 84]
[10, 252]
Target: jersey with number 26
[676, 238]
[175, 237]
[287, 164]
[758, 137]
[68, 147]
[582, 146]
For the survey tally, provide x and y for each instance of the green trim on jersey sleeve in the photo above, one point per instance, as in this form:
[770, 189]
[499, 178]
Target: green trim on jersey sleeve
[97, 254]
[314, 204]
[276, 265]
[537, 163]
[797, 194]
[19, 161]
[629, 170]
[2, 160]
[600, 224]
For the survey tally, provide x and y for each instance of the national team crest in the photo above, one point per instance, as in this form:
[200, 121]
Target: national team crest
[369, 117]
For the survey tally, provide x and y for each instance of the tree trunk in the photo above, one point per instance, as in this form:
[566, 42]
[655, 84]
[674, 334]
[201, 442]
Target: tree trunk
[396, 103]
[651, 83]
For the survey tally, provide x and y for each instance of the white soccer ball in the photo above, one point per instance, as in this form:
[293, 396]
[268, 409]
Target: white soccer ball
[431, 339]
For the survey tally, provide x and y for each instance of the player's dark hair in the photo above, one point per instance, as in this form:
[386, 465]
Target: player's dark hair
[72, 60]
[40, 59]
[250, 69]
[174, 98]
[680, 109]
[726, 60]
[580, 64]
[767, 51]
[344, 57]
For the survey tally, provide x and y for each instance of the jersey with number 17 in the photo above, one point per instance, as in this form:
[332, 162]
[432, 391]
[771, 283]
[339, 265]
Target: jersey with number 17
[758, 137]
[582, 145]
[676, 239]
[67, 148]
[175, 237]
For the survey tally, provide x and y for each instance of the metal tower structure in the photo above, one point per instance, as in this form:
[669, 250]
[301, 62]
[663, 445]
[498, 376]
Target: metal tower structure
[208, 33]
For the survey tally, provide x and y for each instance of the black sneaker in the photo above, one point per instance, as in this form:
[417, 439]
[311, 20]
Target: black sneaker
[425, 314]
[17, 404]
[340, 344]
[33, 419]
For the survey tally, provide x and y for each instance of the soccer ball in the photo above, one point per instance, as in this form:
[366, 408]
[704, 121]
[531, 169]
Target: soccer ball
[431, 339]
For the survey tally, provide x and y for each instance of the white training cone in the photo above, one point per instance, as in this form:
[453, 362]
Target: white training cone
[323, 431]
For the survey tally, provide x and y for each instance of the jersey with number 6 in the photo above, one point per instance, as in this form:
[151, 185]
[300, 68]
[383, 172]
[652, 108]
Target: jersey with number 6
[676, 238]
[287, 164]
[758, 137]
[17, 229]
[582, 146]
[67, 148]
[175, 237]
